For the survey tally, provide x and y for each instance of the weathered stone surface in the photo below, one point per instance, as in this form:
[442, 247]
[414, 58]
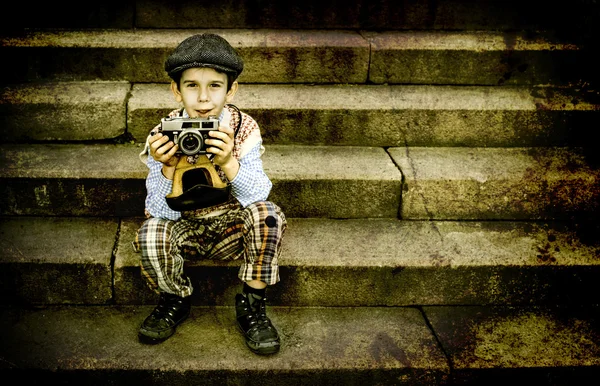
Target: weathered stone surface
[270, 56]
[108, 180]
[72, 161]
[577, 18]
[93, 14]
[333, 182]
[309, 14]
[496, 183]
[317, 115]
[394, 115]
[347, 345]
[372, 262]
[549, 346]
[322, 56]
[146, 106]
[72, 180]
[474, 58]
[69, 111]
[56, 260]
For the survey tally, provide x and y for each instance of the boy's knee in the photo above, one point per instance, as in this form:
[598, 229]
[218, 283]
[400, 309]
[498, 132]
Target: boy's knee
[268, 213]
[149, 230]
[150, 225]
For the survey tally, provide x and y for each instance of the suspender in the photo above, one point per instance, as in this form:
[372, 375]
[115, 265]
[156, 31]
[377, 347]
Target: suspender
[239, 120]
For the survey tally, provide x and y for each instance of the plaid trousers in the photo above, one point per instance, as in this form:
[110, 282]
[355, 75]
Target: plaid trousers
[254, 233]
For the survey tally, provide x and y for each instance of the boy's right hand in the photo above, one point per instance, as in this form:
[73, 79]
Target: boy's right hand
[163, 150]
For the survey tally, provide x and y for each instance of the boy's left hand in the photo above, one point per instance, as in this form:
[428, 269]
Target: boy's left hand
[221, 144]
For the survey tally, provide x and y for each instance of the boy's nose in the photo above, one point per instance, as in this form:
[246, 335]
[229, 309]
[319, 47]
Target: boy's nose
[203, 96]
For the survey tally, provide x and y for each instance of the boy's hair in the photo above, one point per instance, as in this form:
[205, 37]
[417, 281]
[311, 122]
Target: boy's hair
[205, 50]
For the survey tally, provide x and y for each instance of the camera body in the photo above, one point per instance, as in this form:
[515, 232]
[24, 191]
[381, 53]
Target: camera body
[189, 133]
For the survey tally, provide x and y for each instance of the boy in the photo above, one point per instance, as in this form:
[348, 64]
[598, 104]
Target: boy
[204, 69]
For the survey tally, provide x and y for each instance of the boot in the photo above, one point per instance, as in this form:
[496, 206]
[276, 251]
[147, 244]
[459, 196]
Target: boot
[168, 314]
[261, 336]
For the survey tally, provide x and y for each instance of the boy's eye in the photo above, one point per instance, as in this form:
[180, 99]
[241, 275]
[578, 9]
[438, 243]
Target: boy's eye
[215, 85]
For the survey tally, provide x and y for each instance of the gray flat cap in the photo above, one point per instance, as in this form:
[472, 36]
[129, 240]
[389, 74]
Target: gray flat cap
[204, 50]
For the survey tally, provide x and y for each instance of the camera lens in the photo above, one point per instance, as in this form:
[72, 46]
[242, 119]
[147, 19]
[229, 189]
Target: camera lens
[190, 143]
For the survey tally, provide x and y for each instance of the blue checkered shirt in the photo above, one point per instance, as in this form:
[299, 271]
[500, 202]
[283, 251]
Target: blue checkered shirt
[250, 185]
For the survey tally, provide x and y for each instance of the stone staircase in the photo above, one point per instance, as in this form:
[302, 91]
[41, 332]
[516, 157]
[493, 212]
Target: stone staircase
[435, 160]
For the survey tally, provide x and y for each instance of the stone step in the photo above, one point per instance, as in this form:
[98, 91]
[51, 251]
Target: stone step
[362, 14]
[99, 345]
[367, 115]
[501, 346]
[63, 111]
[109, 180]
[576, 16]
[333, 263]
[306, 56]
[324, 181]
[493, 183]
[277, 56]
[350, 346]
[350, 115]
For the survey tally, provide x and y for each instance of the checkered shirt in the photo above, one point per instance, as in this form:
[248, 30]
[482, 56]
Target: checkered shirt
[251, 184]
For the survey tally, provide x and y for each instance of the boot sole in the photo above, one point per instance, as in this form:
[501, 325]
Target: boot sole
[161, 336]
[267, 349]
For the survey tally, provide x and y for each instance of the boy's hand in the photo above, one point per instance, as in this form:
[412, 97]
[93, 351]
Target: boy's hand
[163, 150]
[221, 144]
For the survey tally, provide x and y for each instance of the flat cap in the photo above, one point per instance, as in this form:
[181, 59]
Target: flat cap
[204, 50]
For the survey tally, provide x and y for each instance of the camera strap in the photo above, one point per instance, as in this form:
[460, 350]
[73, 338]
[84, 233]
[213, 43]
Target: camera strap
[239, 123]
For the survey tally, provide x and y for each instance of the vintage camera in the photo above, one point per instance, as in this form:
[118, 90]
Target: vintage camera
[189, 133]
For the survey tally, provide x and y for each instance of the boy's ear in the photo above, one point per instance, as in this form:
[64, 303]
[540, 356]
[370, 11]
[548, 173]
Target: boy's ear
[176, 93]
[231, 92]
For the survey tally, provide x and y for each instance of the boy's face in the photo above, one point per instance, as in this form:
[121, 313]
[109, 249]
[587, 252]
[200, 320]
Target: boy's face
[203, 92]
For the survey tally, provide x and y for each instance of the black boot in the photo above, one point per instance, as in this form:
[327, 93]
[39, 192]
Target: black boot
[168, 314]
[261, 336]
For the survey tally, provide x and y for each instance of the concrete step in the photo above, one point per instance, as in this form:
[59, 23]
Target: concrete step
[475, 58]
[367, 115]
[576, 15]
[271, 56]
[363, 14]
[351, 346]
[493, 183]
[333, 263]
[306, 56]
[324, 181]
[500, 346]
[350, 115]
[109, 180]
[99, 346]
[63, 111]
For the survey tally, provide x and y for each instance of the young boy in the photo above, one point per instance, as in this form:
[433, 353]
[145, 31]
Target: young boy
[204, 69]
